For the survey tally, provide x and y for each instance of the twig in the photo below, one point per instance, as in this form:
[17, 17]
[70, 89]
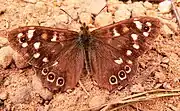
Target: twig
[144, 96]
[176, 12]
[84, 89]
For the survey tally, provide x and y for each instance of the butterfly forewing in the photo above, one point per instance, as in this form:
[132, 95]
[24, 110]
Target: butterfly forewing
[116, 47]
[32, 41]
[53, 52]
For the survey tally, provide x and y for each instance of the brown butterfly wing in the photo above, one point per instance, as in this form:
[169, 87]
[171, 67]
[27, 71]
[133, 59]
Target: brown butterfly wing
[53, 52]
[116, 47]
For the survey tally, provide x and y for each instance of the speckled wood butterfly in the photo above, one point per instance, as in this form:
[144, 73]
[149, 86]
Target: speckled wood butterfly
[109, 53]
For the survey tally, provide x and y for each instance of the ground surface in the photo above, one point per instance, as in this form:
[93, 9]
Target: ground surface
[21, 90]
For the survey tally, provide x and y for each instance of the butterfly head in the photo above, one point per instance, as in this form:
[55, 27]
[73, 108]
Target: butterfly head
[84, 28]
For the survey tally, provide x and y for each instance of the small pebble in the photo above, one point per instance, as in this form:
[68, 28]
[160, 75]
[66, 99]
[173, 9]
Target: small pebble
[160, 76]
[166, 30]
[148, 5]
[61, 18]
[97, 101]
[96, 6]
[86, 18]
[138, 9]
[3, 41]
[165, 6]
[165, 60]
[167, 85]
[122, 15]
[151, 13]
[6, 56]
[158, 85]
[3, 95]
[20, 95]
[137, 88]
[19, 60]
[43, 92]
[103, 19]
[41, 7]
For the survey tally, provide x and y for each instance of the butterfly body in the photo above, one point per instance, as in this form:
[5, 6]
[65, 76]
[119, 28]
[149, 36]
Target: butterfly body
[110, 53]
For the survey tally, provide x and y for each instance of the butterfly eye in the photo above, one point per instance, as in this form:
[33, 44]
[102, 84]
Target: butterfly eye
[60, 81]
[127, 69]
[51, 77]
[113, 80]
[122, 75]
[44, 71]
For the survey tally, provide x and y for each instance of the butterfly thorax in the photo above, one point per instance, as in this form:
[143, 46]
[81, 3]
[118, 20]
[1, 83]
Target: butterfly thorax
[84, 36]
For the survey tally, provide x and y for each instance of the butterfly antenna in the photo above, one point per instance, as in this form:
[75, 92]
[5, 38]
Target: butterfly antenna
[72, 17]
[102, 9]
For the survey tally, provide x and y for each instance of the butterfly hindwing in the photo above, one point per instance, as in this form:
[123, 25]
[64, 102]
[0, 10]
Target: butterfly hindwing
[116, 48]
[64, 72]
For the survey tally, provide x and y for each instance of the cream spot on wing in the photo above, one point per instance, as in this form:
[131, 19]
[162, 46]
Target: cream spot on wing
[146, 34]
[138, 24]
[20, 35]
[24, 44]
[129, 52]
[148, 24]
[115, 32]
[36, 55]
[119, 61]
[134, 36]
[129, 62]
[55, 63]
[136, 46]
[30, 33]
[54, 38]
[37, 45]
[45, 59]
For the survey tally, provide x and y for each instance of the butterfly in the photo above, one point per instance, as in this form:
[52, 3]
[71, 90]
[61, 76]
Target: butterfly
[109, 53]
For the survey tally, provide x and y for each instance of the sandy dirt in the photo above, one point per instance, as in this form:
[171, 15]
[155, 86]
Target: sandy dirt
[159, 67]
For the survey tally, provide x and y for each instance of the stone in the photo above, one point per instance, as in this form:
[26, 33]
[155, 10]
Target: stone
[137, 88]
[138, 9]
[97, 101]
[6, 56]
[3, 95]
[103, 19]
[43, 92]
[148, 5]
[165, 60]
[160, 76]
[19, 60]
[86, 18]
[20, 95]
[165, 6]
[3, 41]
[96, 6]
[122, 15]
